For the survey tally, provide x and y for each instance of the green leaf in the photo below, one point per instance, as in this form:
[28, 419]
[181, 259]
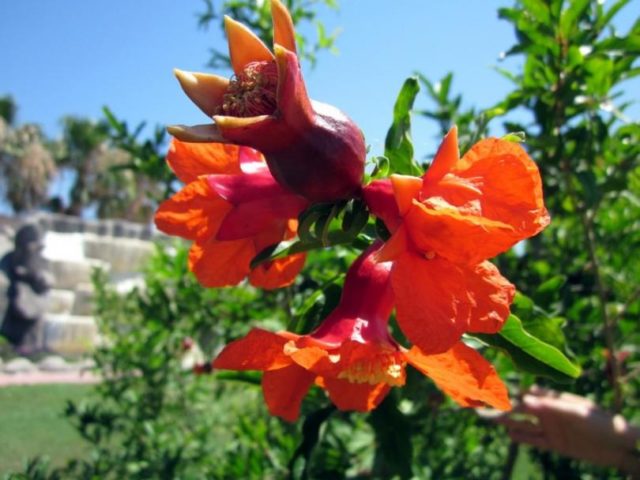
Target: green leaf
[382, 167]
[550, 286]
[398, 147]
[571, 16]
[355, 217]
[310, 437]
[531, 354]
[394, 453]
[318, 306]
[253, 378]
[515, 137]
[549, 330]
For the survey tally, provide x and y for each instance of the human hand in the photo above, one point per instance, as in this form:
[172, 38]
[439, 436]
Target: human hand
[576, 427]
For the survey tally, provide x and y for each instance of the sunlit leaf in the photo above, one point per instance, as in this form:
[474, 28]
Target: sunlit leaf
[531, 354]
[398, 147]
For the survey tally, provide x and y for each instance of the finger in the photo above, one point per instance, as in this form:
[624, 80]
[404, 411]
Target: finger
[544, 407]
[539, 391]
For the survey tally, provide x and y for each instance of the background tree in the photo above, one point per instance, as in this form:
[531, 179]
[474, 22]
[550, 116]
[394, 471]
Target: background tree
[25, 163]
[82, 140]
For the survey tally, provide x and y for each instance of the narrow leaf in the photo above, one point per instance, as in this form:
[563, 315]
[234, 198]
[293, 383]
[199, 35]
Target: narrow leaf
[531, 354]
[398, 146]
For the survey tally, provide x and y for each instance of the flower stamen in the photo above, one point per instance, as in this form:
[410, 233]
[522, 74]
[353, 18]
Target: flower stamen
[252, 92]
[386, 367]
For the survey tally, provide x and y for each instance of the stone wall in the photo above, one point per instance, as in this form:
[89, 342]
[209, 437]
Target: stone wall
[73, 248]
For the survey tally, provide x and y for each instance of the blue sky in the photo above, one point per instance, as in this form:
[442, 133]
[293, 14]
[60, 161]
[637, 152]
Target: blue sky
[72, 57]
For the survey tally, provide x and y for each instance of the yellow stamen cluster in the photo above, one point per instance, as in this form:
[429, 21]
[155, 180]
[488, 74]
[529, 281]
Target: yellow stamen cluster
[253, 92]
[387, 367]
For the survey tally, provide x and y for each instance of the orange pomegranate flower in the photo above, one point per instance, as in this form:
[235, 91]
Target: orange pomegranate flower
[352, 356]
[312, 149]
[445, 226]
[232, 208]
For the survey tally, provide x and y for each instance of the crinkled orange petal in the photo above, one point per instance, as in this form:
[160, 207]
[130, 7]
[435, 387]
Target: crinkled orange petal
[511, 185]
[283, 32]
[447, 156]
[221, 264]
[284, 390]
[314, 358]
[487, 201]
[258, 350]
[396, 245]
[360, 397]
[277, 273]
[458, 237]
[190, 160]
[432, 302]
[491, 295]
[464, 375]
[195, 212]
[244, 46]
[405, 189]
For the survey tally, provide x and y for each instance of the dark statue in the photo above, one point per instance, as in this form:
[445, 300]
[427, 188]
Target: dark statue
[29, 284]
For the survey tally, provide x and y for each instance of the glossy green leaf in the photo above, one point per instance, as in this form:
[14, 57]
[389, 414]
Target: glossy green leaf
[398, 147]
[531, 354]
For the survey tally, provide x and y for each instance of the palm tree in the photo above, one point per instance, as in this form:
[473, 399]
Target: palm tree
[26, 165]
[81, 141]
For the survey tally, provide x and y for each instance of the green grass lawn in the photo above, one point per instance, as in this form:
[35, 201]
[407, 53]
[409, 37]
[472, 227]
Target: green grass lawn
[32, 423]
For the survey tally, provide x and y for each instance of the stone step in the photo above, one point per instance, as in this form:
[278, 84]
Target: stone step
[124, 255]
[61, 301]
[68, 274]
[69, 334]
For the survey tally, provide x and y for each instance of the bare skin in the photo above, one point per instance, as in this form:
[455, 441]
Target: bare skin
[575, 427]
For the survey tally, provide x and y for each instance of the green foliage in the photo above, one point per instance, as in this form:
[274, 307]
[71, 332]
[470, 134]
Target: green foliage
[151, 418]
[578, 273]
[398, 147]
[574, 63]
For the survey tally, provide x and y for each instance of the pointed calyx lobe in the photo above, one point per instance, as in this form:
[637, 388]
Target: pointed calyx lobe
[352, 356]
[445, 225]
[231, 208]
[312, 149]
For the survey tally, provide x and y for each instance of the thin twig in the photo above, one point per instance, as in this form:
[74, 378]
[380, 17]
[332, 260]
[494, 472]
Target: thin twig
[623, 310]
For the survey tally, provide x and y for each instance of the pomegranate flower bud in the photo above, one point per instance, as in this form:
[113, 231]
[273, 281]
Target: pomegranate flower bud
[311, 148]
